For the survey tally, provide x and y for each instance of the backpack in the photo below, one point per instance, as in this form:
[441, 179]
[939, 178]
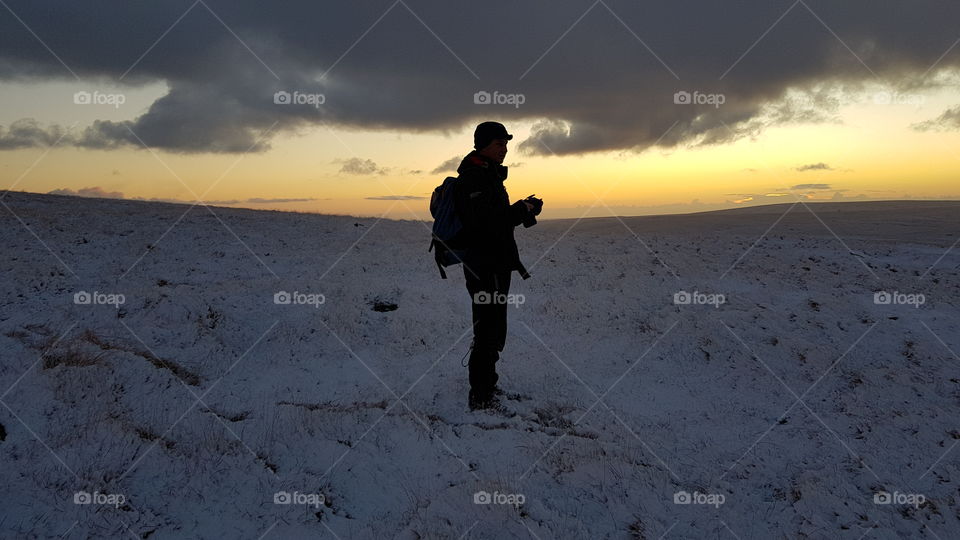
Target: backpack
[446, 226]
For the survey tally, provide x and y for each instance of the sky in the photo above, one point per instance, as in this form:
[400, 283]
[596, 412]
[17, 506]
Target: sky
[616, 107]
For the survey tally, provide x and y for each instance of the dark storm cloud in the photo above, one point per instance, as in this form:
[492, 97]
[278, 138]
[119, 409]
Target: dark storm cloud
[597, 76]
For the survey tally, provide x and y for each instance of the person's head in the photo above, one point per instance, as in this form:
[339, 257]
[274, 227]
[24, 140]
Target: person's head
[490, 140]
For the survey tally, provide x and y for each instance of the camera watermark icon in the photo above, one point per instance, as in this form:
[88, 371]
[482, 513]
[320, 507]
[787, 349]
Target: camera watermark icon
[98, 298]
[114, 499]
[283, 97]
[696, 98]
[886, 298]
[485, 497]
[897, 98]
[711, 499]
[306, 499]
[698, 298]
[496, 98]
[485, 298]
[99, 98]
[911, 499]
[298, 298]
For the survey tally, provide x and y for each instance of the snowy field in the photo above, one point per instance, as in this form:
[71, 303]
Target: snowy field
[785, 371]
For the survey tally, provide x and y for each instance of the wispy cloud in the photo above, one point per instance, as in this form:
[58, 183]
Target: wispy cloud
[814, 167]
[395, 198]
[449, 165]
[95, 191]
[948, 121]
[360, 166]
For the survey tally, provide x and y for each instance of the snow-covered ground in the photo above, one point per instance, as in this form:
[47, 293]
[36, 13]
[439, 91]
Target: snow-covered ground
[782, 401]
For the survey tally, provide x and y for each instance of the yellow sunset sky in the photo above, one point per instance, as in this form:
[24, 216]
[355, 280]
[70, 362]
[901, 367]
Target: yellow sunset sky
[871, 152]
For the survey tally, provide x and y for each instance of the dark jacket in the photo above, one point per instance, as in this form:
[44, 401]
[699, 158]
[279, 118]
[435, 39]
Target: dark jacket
[488, 218]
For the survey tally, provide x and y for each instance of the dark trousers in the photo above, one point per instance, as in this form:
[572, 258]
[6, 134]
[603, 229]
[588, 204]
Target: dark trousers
[488, 290]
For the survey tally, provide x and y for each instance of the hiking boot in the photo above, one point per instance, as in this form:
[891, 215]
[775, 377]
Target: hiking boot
[481, 400]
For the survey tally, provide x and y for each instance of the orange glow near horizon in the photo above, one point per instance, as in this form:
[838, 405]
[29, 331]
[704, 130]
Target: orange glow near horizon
[873, 153]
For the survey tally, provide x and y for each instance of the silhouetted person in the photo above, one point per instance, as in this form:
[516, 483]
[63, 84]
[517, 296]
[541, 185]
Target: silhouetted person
[488, 218]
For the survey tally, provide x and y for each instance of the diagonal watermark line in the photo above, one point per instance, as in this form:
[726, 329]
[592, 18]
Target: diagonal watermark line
[129, 530]
[155, 242]
[38, 160]
[844, 244]
[931, 531]
[561, 237]
[757, 241]
[195, 403]
[935, 463]
[37, 437]
[727, 527]
[466, 532]
[384, 415]
[825, 25]
[601, 200]
[270, 528]
[194, 394]
[543, 455]
[745, 53]
[670, 528]
[23, 175]
[464, 64]
[546, 52]
[163, 35]
[817, 217]
[177, 176]
[650, 348]
[399, 399]
[947, 347]
[34, 34]
[599, 398]
[798, 400]
[242, 42]
[935, 263]
[228, 228]
[197, 202]
[529, 530]
[24, 374]
[655, 55]
[357, 241]
[644, 443]
[69, 529]
[840, 440]
[869, 530]
[387, 187]
[942, 56]
[55, 256]
[324, 523]
[359, 39]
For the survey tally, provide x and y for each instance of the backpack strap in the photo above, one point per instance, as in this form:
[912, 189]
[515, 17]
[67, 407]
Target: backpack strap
[523, 271]
[436, 257]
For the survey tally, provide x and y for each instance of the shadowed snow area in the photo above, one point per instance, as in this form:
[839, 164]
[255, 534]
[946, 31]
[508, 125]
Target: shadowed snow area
[785, 371]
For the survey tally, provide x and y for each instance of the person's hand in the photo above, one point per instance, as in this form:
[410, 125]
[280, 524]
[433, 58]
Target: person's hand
[534, 205]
